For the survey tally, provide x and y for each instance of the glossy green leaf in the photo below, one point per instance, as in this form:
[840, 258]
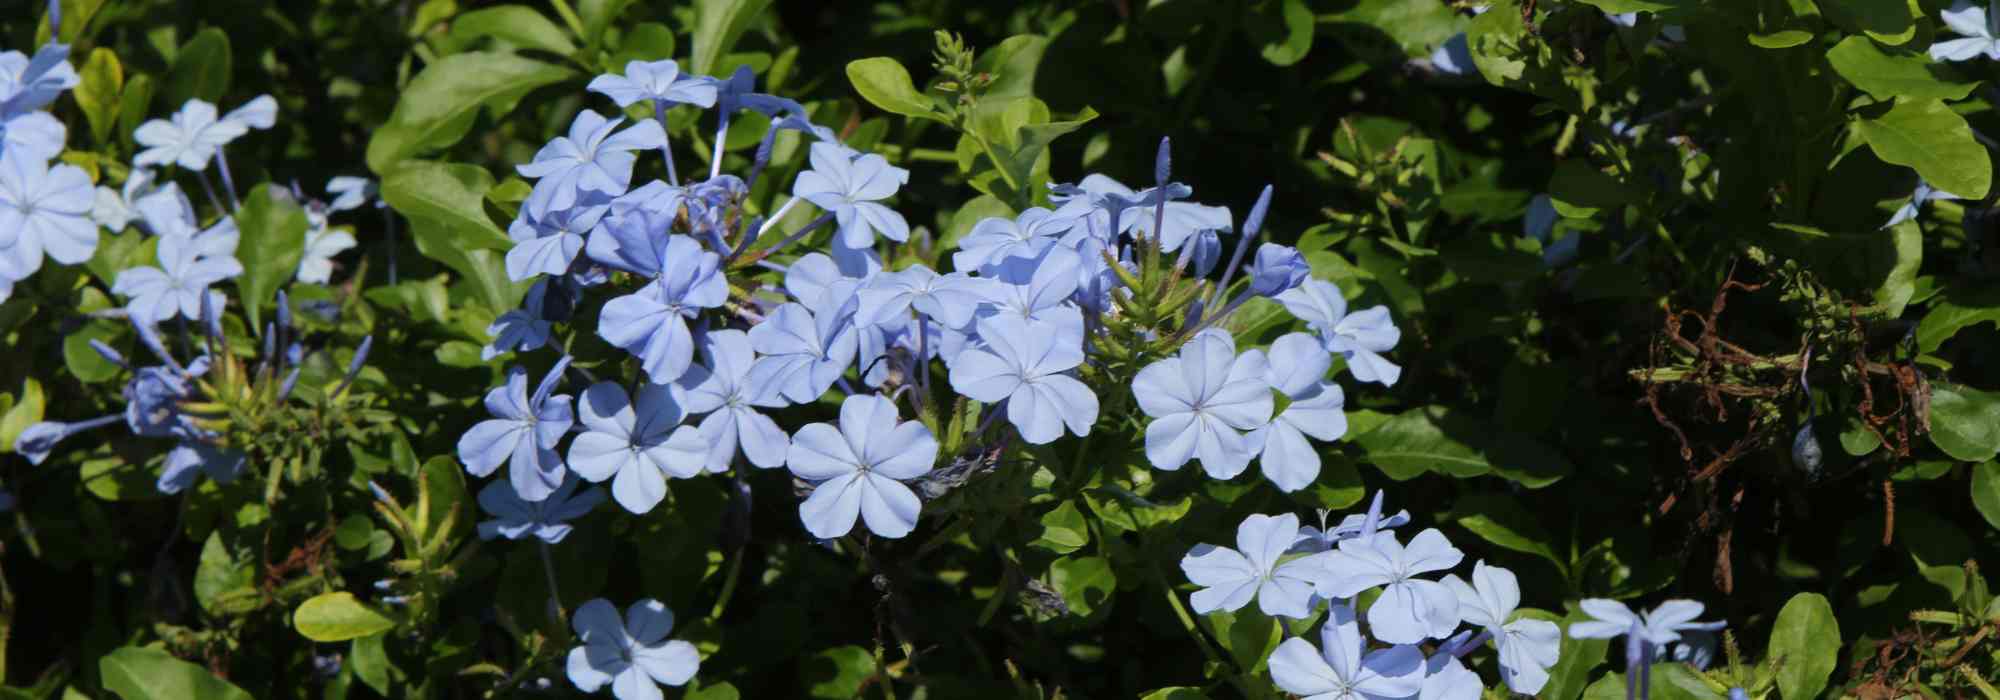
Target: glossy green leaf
[1965, 422]
[1986, 491]
[1805, 645]
[1502, 521]
[439, 105]
[1886, 21]
[273, 229]
[1085, 583]
[142, 673]
[1063, 529]
[717, 26]
[886, 84]
[514, 24]
[102, 81]
[1884, 75]
[26, 411]
[338, 617]
[1929, 136]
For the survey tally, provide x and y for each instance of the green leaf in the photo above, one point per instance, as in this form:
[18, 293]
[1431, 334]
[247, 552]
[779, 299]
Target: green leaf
[27, 411]
[1959, 308]
[1986, 491]
[1175, 693]
[1904, 251]
[1781, 39]
[597, 15]
[1086, 583]
[1415, 441]
[439, 105]
[1965, 422]
[134, 103]
[1805, 645]
[1504, 522]
[369, 657]
[82, 361]
[102, 81]
[886, 84]
[141, 673]
[201, 69]
[1928, 136]
[1886, 21]
[839, 673]
[273, 240]
[338, 617]
[221, 583]
[717, 26]
[1063, 530]
[515, 24]
[446, 206]
[1887, 76]
[1247, 634]
[1295, 38]
[1576, 659]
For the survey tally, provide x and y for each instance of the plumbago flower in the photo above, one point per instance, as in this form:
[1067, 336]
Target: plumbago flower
[1528, 647]
[1200, 402]
[1410, 609]
[1924, 194]
[1342, 667]
[652, 323]
[851, 187]
[179, 285]
[523, 433]
[635, 443]
[1296, 367]
[804, 351]
[995, 239]
[522, 329]
[28, 84]
[1231, 577]
[726, 391]
[1023, 363]
[196, 134]
[590, 159]
[658, 81]
[1361, 337]
[950, 299]
[43, 209]
[1645, 634]
[1973, 23]
[547, 244]
[632, 655]
[858, 468]
[546, 520]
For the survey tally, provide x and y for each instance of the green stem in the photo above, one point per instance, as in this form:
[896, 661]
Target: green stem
[569, 17]
[728, 584]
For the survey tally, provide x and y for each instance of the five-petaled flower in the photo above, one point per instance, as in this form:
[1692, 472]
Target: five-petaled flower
[43, 209]
[1024, 363]
[1200, 401]
[523, 433]
[859, 468]
[635, 442]
[1410, 609]
[1342, 667]
[1361, 336]
[178, 285]
[590, 159]
[851, 188]
[1528, 647]
[546, 520]
[727, 391]
[1979, 36]
[1231, 577]
[652, 323]
[195, 134]
[659, 81]
[632, 655]
[1296, 367]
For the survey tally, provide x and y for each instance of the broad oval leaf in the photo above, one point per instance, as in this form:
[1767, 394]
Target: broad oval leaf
[273, 240]
[141, 673]
[1805, 645]
[1965, 422]
[1928, 136]
[338, 617]
[439, 105]
[887, 85]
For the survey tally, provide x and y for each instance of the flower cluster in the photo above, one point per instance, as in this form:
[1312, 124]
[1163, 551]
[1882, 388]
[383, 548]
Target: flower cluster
[44, 206]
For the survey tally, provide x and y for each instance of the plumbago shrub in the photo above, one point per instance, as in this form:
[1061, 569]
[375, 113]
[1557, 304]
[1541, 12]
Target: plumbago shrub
[1592, 348]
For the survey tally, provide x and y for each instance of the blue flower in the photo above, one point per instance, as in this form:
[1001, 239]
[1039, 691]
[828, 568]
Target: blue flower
[43, 210]
[1039, 289]
[859, 467]
[1200, 401]
[1924, 194]
[1231, 577]
[349, 192]
[1181, 221]
[589, 159]
[1024, 364]
[1454, 57]
[28, 84]
[1320, 539]
[1277, 269]
[1445, 678]
[739, 92]
[1342, 667]
[117, 209]
[190, 460]
[995, 239]
[652, 322]
[726, 392]
[178, 285]
[636, 444]
[1360, 337]
[195, 134]
[1969, 20]
[1528, 647]
[633, 655]
[547, 244]
[1410, 609]
[154, 394]
[950, 299]
[803, 350]
[1659, 626]
[33, 134]
[850, 188]
[546, 520]
[1296, 366]
[660, 81]
[523, 433]
[38, 440]
[522, 329]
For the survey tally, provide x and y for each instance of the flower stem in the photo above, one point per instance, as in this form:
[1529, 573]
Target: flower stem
[549, 570]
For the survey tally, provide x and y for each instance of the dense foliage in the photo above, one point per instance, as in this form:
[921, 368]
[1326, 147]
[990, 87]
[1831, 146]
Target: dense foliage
[946, 349]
